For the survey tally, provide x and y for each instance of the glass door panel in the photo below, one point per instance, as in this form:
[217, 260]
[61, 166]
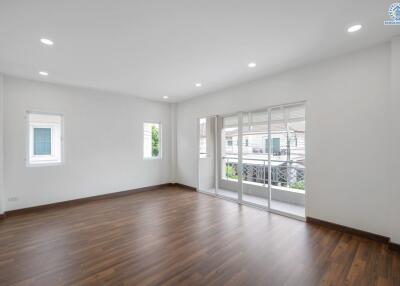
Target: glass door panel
[255, 158]
[207, 151]
[228, 129]
[287, 147]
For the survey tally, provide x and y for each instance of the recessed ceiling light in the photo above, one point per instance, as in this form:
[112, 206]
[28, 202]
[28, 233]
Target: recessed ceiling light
[354, 28]
[198, 84]
[43, 73]
[252, 65]
[47, 42]
[165, 97]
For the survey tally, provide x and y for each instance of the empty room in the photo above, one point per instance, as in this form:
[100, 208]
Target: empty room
[180, 142]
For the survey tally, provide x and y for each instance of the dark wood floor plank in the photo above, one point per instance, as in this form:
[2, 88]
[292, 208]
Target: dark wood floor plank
[172, 236]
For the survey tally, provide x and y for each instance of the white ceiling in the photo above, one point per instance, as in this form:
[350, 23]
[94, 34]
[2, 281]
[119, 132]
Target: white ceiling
[153, 48]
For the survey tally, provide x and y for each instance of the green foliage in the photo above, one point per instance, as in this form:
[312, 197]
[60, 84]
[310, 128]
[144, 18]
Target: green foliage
[230, 172]
[298, 185]
[154, 141]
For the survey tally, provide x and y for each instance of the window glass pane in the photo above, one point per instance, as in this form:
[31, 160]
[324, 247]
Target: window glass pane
[229, 146]
[45, 139]
[230, 138]
[147, 140]
[288, 159]
[255, 136]
[230, 121]
[277, 114]
[288, 148]
[255, 131]
[203, 146]
[296, 112]
[155, 140]
[203, 126]
[42, 141]
[151, 140]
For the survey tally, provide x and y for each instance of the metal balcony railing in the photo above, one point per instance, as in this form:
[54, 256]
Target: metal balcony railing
[283, 173]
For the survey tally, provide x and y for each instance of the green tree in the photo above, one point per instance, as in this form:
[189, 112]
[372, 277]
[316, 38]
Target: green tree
[154, 141]
[230, 172]
[298, 185]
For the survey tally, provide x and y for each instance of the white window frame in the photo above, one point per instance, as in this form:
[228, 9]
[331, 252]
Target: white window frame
[159, 157]
[44, 160]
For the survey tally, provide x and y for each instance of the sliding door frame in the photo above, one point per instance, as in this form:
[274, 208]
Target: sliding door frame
[215, 127]
[240, 157]
[218, 157]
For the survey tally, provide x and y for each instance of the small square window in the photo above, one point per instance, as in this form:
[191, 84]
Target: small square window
[44, 139]
[151, 140]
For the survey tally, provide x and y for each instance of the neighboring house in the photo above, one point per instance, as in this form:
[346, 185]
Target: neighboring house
[257, 144]
[287, 158]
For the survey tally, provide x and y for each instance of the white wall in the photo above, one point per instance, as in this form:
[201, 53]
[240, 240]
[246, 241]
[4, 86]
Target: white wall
[394, 163]
[103, 143]
[1, 146]
[350, 100]
[346, 133]
[173, 143]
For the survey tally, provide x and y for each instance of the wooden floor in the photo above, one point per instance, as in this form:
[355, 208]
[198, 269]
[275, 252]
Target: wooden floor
[173, 236]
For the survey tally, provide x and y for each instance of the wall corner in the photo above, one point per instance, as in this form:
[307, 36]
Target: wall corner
[173, 166]
[2, 191]
[394, 131]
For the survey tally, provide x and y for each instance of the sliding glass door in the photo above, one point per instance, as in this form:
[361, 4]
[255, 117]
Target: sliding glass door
[229, 169]
[207, 180]
[256, 158]
[288, 159]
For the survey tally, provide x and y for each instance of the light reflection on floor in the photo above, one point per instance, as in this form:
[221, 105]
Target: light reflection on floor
[293, 209]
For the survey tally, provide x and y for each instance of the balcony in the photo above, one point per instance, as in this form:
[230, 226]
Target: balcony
[287, 182]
